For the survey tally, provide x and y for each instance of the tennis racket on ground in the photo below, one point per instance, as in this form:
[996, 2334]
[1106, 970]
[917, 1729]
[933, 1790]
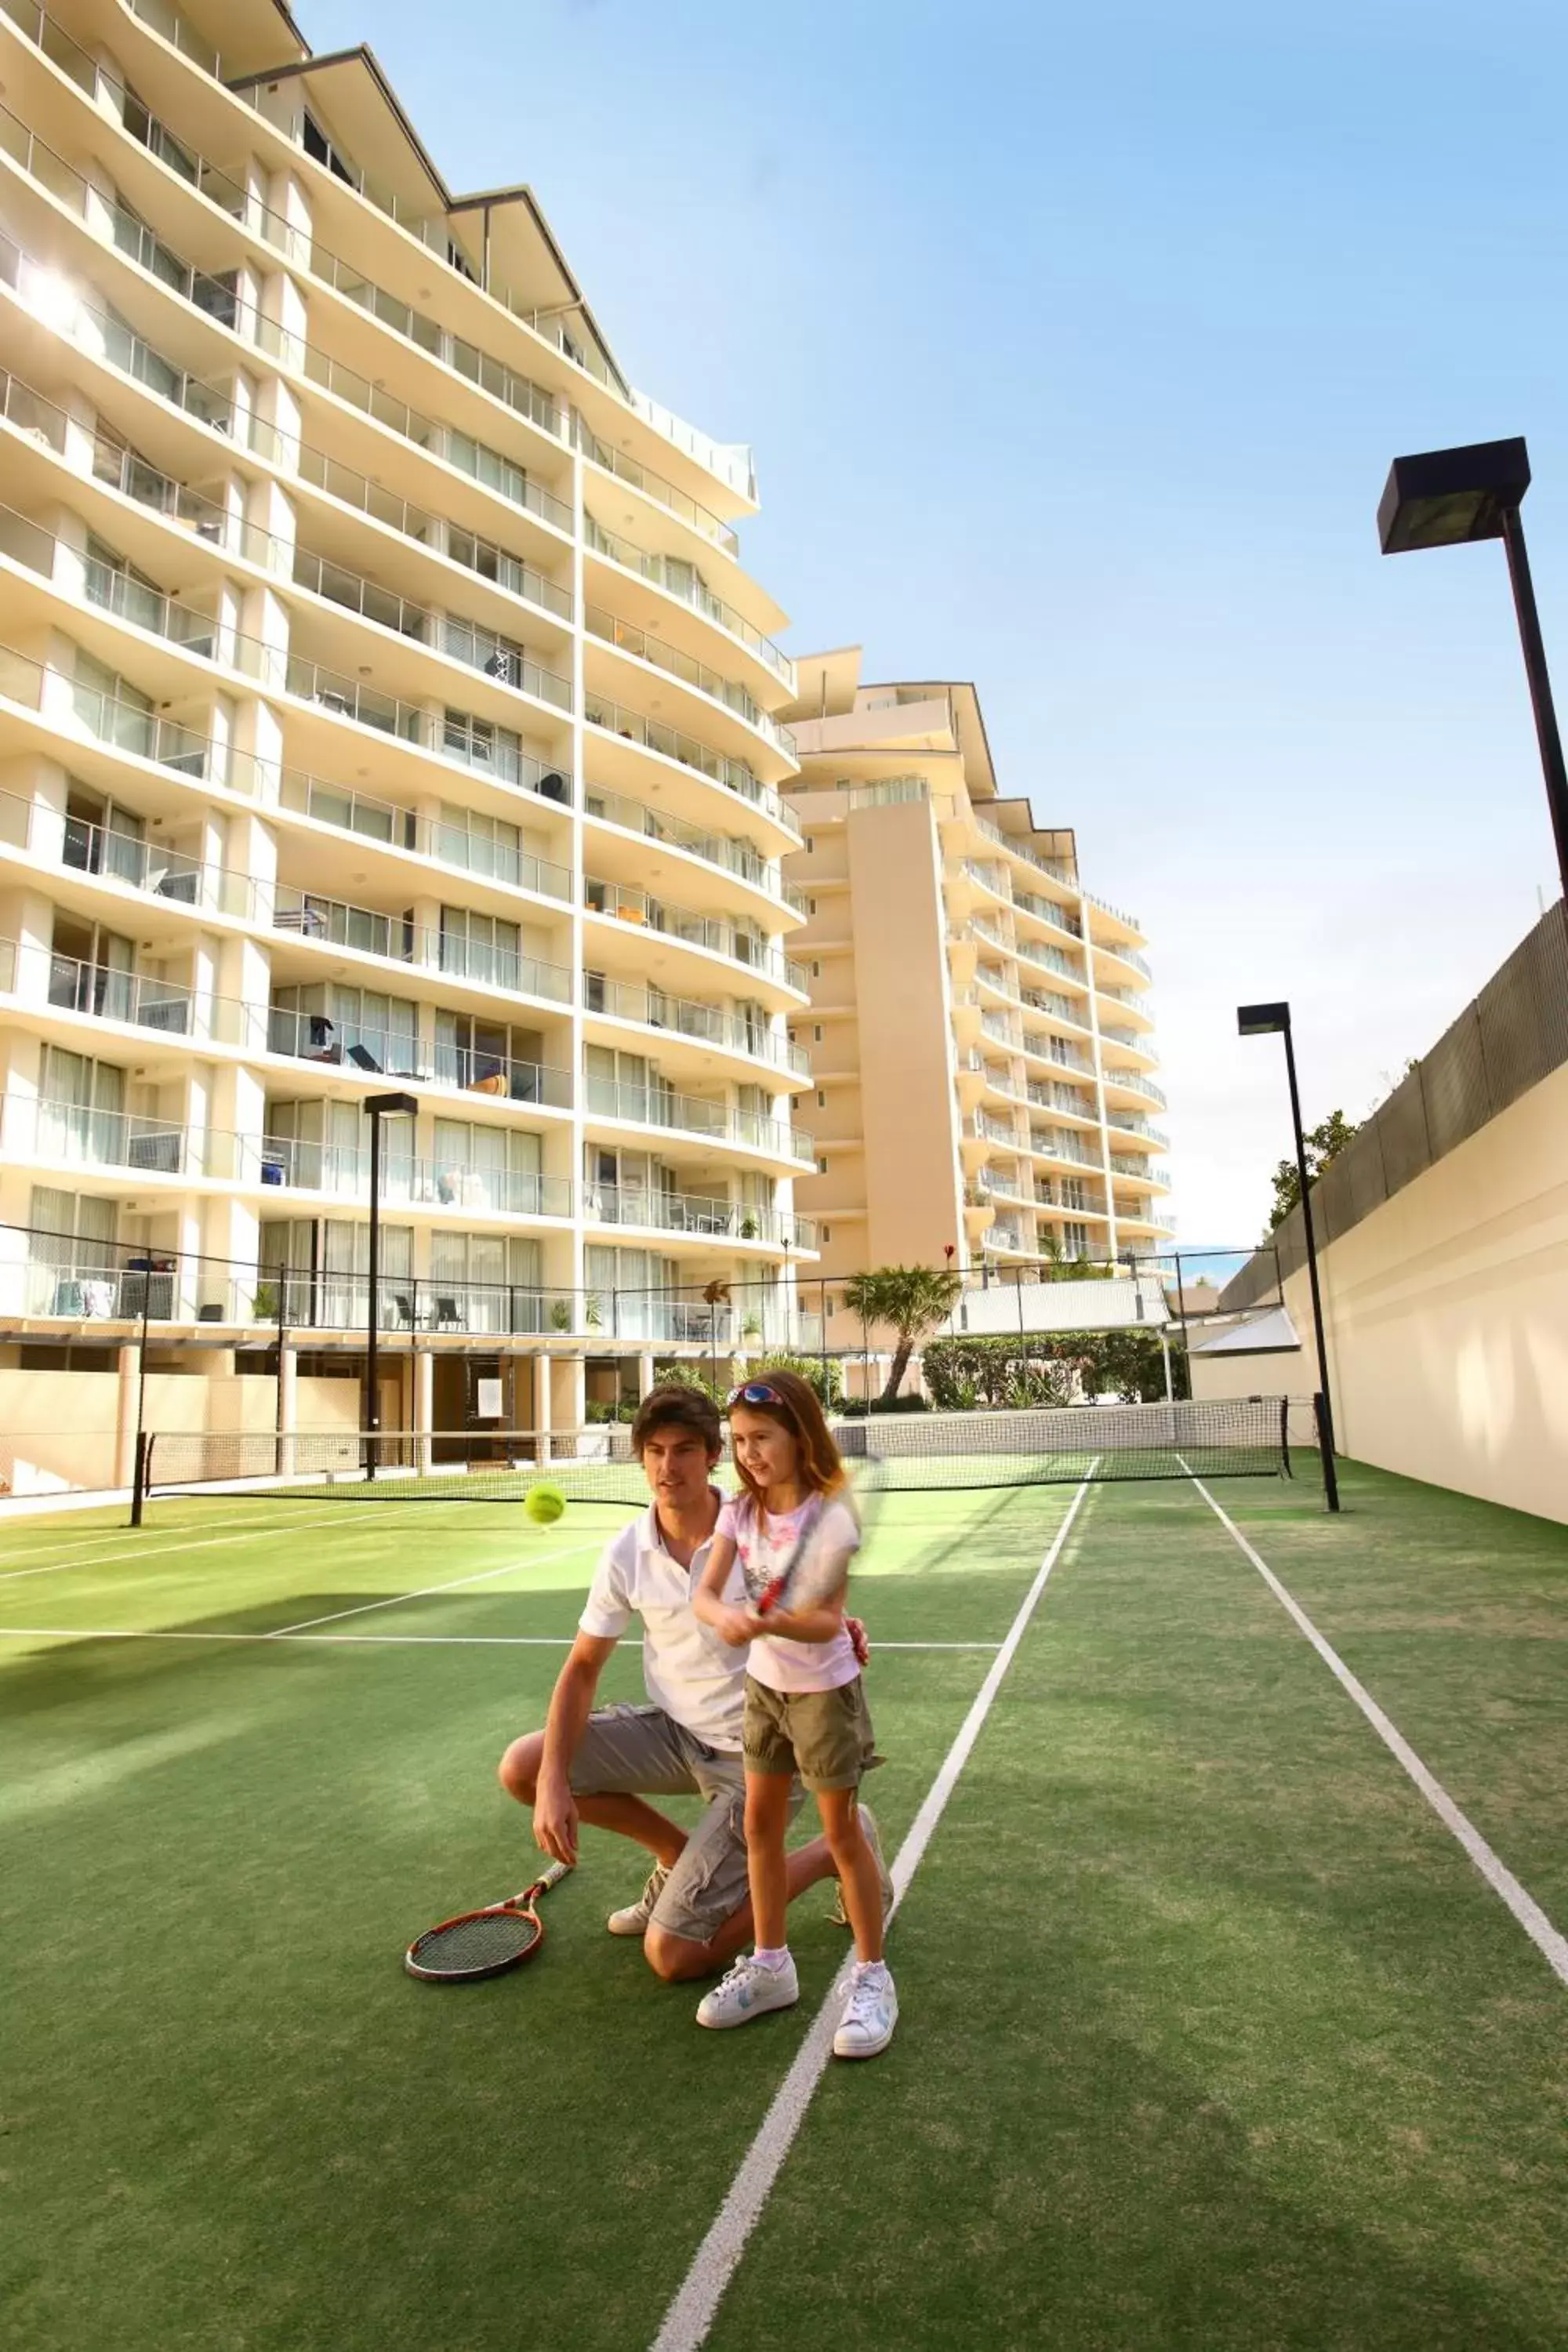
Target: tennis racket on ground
[479, 1944]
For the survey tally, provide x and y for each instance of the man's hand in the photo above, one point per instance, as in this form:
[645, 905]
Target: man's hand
[555, 1821]
[736, 1626]
[858, 1642]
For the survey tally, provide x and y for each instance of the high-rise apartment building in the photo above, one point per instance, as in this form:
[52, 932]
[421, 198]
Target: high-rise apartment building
[384, 706]
[980, 1029]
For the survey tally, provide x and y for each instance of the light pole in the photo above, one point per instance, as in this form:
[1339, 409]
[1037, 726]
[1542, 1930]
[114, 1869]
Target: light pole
[1266, 1021]
[377, 1107]
[1447, 498]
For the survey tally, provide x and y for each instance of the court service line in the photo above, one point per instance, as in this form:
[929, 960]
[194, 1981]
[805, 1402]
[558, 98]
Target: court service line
[422, 1591]
[691, 2314]
[157, 1551]
[1549, 1941]
[370, 1640]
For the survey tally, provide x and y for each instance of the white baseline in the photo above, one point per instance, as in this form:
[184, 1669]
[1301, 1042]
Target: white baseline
[690, 2315]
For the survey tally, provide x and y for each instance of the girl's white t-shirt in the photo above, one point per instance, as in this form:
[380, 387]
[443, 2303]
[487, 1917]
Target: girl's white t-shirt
[765, 1541]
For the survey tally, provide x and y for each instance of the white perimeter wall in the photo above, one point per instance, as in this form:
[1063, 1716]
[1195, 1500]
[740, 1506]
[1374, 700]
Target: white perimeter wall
[1447, 1319]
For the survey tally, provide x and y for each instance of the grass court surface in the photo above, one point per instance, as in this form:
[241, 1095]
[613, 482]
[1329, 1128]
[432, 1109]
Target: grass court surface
[1213, 2036]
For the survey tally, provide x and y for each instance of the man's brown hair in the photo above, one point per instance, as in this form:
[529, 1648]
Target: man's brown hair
[673, 1405]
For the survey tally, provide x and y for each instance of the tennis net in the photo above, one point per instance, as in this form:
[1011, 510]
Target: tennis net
[891, 1453]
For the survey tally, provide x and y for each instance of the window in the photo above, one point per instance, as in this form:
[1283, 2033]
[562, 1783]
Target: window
[811, 906]
[481, 947]
[816, 1032]
[821, 1099]
[316, 143]
[71, 1243]
[821, 1165]
[815, 970]
[826, 1233]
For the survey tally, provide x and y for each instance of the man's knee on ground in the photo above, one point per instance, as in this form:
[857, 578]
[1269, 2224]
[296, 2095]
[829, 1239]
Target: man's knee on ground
[675, 1958]
[518, 1771]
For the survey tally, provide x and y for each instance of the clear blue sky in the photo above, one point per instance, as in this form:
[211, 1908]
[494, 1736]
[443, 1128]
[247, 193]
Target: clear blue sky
[1074, 342]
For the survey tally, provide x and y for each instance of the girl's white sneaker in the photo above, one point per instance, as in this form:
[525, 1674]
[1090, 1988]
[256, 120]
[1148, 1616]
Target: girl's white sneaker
[870, 2012]
[749, 1991]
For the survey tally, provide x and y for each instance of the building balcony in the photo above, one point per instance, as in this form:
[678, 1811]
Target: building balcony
[731, 854]
[622, 913]
[616, 724]
[725, 696]
[1108, 949]
[660, 1106]
[707, 1026]
[370, 1049]
[709, 1216]
[680, 581]
[407, 1183]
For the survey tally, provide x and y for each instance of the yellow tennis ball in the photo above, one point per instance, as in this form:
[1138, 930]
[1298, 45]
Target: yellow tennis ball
[545, 1505]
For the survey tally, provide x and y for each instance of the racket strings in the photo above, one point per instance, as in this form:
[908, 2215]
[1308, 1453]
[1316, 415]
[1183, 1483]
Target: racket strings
[479, 1942]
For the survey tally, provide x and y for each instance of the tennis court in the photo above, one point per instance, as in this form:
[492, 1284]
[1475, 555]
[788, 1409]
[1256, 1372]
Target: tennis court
[1213, 2035]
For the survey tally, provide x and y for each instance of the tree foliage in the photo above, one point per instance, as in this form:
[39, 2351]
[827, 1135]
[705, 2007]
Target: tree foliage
[1324, 1144]
[970, 1372]
[910, 1300]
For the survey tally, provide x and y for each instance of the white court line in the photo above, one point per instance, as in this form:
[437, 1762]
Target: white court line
[422, 1591]
[1552, 1945]
[157, 1551]
[690, 2315]
[373, 1641]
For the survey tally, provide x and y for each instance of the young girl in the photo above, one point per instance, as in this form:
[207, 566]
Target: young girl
[805, 1707]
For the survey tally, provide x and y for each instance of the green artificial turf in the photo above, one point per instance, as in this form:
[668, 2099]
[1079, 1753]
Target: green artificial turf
[1212, 2036]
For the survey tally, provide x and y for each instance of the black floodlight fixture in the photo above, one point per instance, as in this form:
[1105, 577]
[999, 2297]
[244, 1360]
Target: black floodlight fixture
[1262, 1020]
[1447, 498]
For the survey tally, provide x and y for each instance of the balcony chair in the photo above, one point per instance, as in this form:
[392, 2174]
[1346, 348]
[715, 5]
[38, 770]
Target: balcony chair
[447, 1316]
[363, 1059]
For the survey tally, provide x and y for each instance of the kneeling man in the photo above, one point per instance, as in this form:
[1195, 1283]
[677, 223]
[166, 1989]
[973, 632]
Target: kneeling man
[602, 1765]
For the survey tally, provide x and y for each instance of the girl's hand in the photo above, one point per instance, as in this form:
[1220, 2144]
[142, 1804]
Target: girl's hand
[736, 1626]
[858, 1642]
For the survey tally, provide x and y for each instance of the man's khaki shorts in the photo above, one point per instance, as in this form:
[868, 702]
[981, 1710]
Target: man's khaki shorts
[641, 1752]
[825, 1735]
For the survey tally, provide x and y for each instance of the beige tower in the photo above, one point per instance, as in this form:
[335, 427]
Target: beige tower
[980, 1031]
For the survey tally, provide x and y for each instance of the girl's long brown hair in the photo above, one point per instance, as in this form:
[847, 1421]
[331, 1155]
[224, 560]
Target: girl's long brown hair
[797, 1411]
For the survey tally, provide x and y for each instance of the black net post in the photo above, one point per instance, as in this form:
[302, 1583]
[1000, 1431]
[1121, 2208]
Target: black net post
[1326, 1450]
[139, 1475]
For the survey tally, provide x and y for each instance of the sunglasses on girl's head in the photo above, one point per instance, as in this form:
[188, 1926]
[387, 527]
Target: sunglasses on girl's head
[752, 1392]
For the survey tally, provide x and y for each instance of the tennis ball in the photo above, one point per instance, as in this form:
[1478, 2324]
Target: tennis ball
[545, 1505]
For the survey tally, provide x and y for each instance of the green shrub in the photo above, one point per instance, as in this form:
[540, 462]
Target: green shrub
[826, 1378]
[967, 1374]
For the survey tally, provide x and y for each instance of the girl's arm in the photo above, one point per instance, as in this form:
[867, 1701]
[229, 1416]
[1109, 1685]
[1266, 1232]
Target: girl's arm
[735, 1626]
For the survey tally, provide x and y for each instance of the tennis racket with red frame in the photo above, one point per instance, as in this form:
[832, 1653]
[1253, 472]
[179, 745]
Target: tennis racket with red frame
[474, 1944]
[815, 1570]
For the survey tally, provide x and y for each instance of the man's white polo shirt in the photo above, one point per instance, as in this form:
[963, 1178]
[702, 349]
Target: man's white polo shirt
[689, 1672]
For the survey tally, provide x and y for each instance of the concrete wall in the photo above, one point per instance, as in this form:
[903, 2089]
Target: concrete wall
[1448, 1317]
[69, 1429]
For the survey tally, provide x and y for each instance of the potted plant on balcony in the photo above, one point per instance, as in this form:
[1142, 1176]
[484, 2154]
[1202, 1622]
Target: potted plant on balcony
[264, 1306]
[561, 1315]
[749, 1227]
[593, 1312]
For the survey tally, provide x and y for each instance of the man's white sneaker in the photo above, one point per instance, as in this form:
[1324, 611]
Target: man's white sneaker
[633, 1920]
[870, 2012]
[838, 1916]
[749, 1991]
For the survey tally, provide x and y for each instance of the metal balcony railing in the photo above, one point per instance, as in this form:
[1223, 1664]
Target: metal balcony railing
[628, 638]
[735, 855]
[442, 633]
[659, 1106]
[403, 1052]
[689, 1017]
[627, 468]
[674, 743]
[408, 1181]
[622, 903]
[713, 1216]
[691, 590]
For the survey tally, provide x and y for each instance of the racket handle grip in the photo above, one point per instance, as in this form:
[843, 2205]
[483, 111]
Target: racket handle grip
[771, 1596]
[553, 1876]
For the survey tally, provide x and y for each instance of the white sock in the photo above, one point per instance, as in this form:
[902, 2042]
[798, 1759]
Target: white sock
[871, 1972]
[771, 1956]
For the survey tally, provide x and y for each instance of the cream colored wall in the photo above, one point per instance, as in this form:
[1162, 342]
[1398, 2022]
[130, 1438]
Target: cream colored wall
[1290, 1374]
[1447, 1316]
[69, 1429]
[906, 1036]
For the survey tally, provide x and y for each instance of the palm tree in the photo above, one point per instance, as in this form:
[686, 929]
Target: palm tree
[912, 1300]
